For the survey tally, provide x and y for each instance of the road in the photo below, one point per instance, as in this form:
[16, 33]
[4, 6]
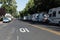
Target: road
[20, 30]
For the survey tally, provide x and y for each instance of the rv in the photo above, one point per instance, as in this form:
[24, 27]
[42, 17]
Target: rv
[25, 18]
[9, 16]
[54, 15]
[29, 17]
[35, 17]
[43, 17]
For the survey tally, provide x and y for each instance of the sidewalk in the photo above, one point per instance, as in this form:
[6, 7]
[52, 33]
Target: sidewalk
[1, 22]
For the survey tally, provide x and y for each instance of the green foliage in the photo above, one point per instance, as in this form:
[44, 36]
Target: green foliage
[10, 6]
[36, 6]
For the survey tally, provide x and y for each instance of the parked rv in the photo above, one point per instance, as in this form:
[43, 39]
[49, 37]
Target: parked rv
[25, 18]
[41, 17]
[29, 17]
[9, 16]
[35, 17]
[54, 15]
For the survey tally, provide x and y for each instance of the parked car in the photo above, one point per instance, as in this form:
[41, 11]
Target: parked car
[5, 20]
[9, 18]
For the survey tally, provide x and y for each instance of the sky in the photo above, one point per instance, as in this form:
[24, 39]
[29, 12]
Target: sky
[21, 4]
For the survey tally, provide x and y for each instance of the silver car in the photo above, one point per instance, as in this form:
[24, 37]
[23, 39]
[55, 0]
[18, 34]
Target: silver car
[5, 20]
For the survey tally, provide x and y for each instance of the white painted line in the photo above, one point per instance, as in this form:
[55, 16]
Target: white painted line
[27, 30]
[22, 30]
[17, 37]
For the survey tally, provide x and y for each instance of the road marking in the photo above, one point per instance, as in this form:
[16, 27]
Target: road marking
[27, 30]
[17, 37]
[46, 29]
[24, 30]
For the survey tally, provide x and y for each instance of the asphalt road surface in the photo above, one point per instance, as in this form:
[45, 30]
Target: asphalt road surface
[20, 30]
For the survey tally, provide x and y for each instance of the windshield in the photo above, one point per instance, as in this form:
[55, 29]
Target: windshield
[5, 18]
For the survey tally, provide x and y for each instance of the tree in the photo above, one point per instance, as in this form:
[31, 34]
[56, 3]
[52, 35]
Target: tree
[37, 6]
[9, 5]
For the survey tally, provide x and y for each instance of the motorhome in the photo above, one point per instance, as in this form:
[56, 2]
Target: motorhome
[29, 17]
[54, 15]
[43, 17]
[9, 16]
[35, 17]
[25, 18]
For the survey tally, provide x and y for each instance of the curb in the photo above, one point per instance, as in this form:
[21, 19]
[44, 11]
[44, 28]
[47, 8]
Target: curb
[1, 22]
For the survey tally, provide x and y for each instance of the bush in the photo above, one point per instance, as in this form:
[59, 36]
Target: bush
[1, 19]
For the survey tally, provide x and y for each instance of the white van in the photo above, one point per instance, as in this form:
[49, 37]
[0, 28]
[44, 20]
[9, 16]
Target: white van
[54, 15]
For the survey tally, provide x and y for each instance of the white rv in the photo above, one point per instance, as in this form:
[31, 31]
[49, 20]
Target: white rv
[25, 18]
[54, 15]
[29, 17]
[9, 16]
[42, 17]
[35, 17]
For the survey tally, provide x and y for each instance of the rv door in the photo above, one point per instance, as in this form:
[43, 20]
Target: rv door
[54, 14]
[50, 15]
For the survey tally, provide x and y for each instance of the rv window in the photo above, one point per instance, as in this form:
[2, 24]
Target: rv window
[50, 15]
[59, 12]
[50, 10]
[54, 14]
[42, 14]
